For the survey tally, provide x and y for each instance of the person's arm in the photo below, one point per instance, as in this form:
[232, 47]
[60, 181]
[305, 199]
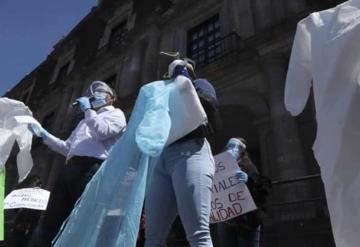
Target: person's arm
[105, 125]
[58, 145]
[50, 140]
[208, 99]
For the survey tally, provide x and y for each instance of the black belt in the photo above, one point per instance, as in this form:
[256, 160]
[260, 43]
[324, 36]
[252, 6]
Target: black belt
[83, 160]
[202, 131]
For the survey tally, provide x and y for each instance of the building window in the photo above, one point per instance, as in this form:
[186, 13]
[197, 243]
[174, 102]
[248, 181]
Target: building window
[64, 65]
[204, 41]
[48, 120]
[26, 93]
[25, 97]
[117, 34]
[111, 81]
[63, 71]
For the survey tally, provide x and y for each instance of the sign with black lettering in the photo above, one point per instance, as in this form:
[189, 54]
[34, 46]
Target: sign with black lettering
[33, 198]
[230, 197]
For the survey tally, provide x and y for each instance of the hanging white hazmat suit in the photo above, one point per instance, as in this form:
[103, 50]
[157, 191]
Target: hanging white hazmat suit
[326, 55]
[12, 130]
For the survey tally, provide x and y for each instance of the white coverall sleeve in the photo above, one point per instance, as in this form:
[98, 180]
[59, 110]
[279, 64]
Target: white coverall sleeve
[299, 76]
[105, 126]
[58, 145]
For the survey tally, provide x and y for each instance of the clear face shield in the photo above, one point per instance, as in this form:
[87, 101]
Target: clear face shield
[235, 147]
[97, 93]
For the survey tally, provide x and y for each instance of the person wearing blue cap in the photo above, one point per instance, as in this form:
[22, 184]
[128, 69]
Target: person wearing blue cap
[182, 179]
[86, 148]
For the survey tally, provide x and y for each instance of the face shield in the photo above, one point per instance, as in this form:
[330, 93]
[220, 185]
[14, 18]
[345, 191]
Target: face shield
[235, 147]
[97, 92]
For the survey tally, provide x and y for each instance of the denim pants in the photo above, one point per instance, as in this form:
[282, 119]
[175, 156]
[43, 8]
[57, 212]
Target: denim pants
[237, 237]
[181, 184]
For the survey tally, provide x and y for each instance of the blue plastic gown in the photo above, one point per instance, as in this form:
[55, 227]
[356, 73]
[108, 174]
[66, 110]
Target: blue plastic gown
[108, 213]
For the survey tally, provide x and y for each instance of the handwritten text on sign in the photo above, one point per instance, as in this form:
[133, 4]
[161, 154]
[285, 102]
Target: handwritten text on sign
[230, 197]
[33, 198]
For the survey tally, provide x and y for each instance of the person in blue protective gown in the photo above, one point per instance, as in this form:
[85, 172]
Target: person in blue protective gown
[86, 148]
[182, 179]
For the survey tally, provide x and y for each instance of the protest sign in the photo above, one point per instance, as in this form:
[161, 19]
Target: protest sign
[33, 198]
[230, 197]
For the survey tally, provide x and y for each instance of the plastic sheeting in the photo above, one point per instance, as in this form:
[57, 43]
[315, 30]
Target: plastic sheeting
[326, 51]
[108, 213]
[12, 130]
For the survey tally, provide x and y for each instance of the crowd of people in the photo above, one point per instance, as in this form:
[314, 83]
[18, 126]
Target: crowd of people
[181, 181]
[324, 57]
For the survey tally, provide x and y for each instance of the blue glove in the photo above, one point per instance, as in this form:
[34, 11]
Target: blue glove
[38, 131]
[242, 176]
[84, 103]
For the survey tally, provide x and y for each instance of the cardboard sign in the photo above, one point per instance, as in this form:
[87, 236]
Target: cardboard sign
[230, 197]
[33, 198]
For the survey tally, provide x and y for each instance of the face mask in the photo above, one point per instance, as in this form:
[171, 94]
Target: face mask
[235, 147]
[99, 99]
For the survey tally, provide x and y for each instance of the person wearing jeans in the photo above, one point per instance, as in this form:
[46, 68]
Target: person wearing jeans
[181, 184]
[182, 179]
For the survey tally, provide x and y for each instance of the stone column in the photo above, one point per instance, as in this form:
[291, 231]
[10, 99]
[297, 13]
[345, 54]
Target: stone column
[237, 17]
[262, 13]
[263, 130]
[130, 74]
[149, 64]
[285, 137]
[167, 41]
[287, 158]
[295, 6]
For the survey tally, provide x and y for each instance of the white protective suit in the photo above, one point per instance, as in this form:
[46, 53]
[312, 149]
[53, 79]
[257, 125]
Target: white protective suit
[11, 130]
[326, 55]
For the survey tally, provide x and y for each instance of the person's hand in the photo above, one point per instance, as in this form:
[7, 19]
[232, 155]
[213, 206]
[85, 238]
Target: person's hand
[242, 176]
[38, 131]
[84, 103]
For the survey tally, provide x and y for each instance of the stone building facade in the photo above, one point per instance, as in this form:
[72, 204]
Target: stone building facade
[241, 46]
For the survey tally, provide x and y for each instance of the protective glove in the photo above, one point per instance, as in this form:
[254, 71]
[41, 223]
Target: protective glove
[84, 103]
[242, 176]
[38, 131]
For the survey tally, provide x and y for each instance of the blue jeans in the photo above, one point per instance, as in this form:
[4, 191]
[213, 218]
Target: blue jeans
[181, 184]
[236, 237]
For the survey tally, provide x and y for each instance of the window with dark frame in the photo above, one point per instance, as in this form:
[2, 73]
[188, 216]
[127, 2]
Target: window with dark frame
[117, 34]
[204, 41]
[48, 120]
[111, 80]
[63, 71]
[24, 98]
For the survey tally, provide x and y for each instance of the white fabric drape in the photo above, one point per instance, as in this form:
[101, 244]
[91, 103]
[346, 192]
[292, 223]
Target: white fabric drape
[12, 130]
[326, 56]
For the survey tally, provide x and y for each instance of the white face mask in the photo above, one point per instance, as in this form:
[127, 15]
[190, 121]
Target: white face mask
[99, 99]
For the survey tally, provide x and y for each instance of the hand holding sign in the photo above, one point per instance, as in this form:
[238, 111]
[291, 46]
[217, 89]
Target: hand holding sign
[230, 196]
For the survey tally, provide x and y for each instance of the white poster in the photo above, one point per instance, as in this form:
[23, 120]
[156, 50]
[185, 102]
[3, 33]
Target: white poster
[33, 198]
[230, 197]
